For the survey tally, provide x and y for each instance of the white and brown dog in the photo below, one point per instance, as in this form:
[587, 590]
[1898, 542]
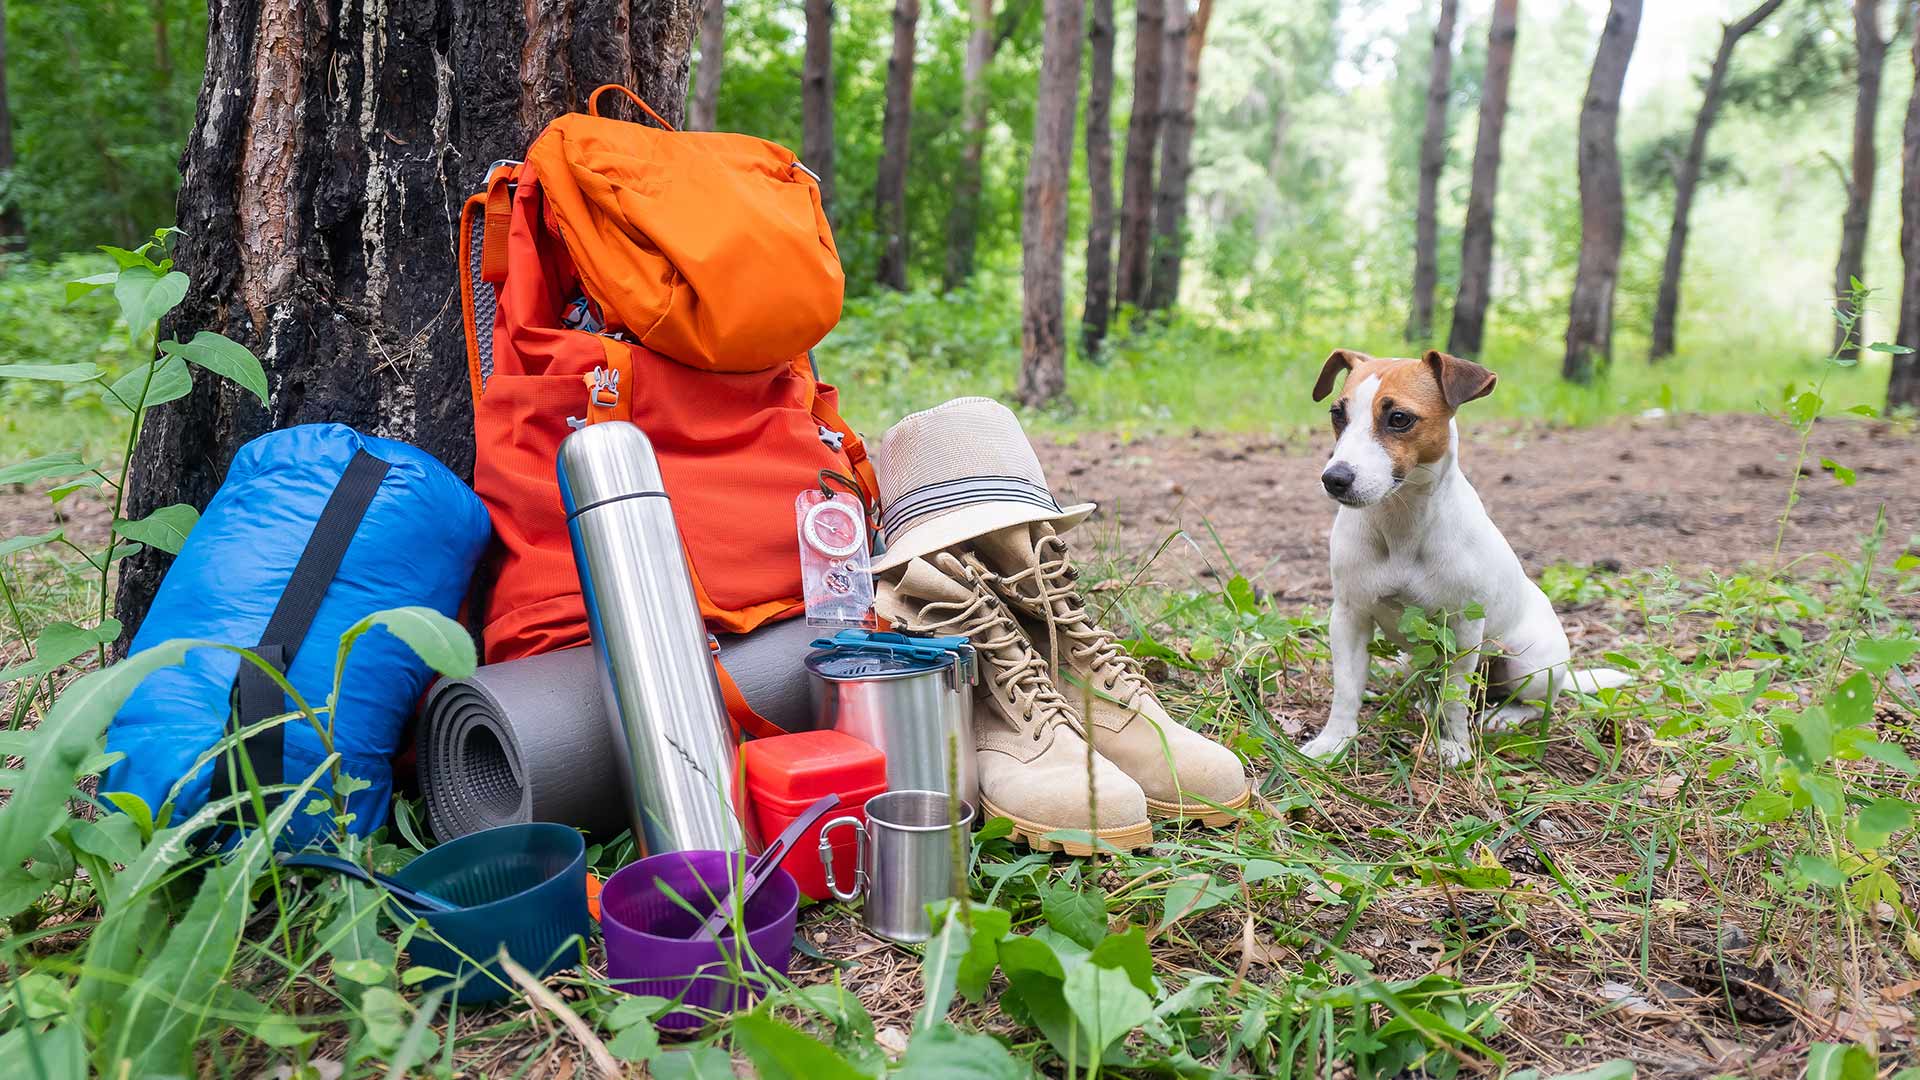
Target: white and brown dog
[1411, 532]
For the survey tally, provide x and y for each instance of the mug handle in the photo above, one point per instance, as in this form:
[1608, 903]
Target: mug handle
[859, 857]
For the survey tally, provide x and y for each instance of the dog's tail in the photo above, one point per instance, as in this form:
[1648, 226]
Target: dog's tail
[1594, 680]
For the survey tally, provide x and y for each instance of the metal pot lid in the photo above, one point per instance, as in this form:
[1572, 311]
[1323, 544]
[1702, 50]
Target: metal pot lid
[855, 665]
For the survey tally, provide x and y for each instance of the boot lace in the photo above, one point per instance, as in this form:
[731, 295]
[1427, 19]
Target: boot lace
[1052, 586]
[1016, 672]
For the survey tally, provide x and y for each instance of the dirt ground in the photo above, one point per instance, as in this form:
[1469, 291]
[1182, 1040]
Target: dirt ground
[1694, 493]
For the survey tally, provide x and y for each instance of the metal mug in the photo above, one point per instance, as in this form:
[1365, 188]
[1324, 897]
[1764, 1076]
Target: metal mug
[904, 860]
[910, 697]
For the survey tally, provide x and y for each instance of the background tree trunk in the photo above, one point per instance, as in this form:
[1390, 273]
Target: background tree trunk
[963, 219]
[1433, 158]
[1093, 321]
[1176, 151]
[1476, 240]
[13, 234]
[1870, 49]
[890, 186]
[1143, 134]
[1903, 386]
[1687, 176]
[1043, 225]
[816, 102]
[703, 114]
[1602, 207]
[331, 153]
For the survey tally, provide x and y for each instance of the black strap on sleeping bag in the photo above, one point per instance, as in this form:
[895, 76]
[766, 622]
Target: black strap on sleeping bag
[255, 695]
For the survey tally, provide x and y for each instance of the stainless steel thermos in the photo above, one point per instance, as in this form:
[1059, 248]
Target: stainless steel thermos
[911, 697]
[670, 727]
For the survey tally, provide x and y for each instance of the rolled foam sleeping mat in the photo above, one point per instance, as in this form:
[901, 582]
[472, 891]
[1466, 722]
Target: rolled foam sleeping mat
[528, 740]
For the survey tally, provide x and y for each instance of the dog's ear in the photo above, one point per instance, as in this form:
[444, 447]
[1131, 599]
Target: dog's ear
[1460, 380]
[1340, 360]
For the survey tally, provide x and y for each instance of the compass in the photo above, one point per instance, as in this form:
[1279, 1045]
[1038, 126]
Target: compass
[833, 529]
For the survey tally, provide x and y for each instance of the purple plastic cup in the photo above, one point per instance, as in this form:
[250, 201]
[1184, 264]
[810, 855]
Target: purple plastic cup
[647, 934]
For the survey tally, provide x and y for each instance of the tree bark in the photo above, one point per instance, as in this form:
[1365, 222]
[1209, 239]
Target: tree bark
[1433, 158]
[1143, 136]
[890, 185]
[1602, 205]
[1903, 385]
[332, 150]
[703, 114]
[1176, 150]
[1043, 225]
[1099, 308]
[1476, 239]
[1870, 49]
[816, 101]
[963, 219]
[13, 234]
[1687, 177]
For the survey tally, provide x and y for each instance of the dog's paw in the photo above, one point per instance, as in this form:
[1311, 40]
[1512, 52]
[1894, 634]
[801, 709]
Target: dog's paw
[1453, 754]
[1326, 745]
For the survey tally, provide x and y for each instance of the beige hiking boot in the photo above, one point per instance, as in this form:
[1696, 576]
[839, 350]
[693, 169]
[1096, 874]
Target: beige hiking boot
[1183, 773]
[1033, 759]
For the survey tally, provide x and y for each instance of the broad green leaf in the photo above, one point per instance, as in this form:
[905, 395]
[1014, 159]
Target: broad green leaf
[80, 287]
[443, 644]
[1840, 472]
[59, 492]
[165, 528]
[21, 543]
[701, 1063]
[386, 1017]
[944, 1053]
[1037, 989]
[1877, 821]
[1106, 1004]
[60, 643]
[51, 372]
[65, 740]
[1191, 895]
[1881, 655]
[1851, 703]
[636, 1042]
[1807, 739]
[61, 1050]
[145, 296]
[1078, 912]
[1766, 807]
[1617, 1069]
[171, 381]
[366, 972]
[49, 467]
[1820, 870]
[1127, 952]
[223, 356]
[781, 1053]
[1837, 1061]
[983, 950]
[940, 969]
[1241, 597]
[1889, 754]
[113, 837]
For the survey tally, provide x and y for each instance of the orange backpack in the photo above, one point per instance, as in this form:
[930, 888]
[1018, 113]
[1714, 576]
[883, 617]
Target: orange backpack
[677, 280]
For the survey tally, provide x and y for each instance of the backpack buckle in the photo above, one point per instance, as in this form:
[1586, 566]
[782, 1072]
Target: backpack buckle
[603, 387]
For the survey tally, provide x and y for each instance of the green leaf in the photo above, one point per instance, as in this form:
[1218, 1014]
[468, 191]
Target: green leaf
[1889, 348]
[385, 1015]
[983, 951]
[940, 968]
[1079, 913]
[636, 1042]
[1204, 648]
[49, 467]
[441, 643]
[1766, 807]
[1840, 472]
[944, 1053]
[701, 1063]
[1617, 1069]
[59, 492]
[61, 1050]
[223, 356]
[1877, 821]
[781, 1053]
[171, 381]
[1889, 754]
[113, 837]
[1836, 1061]
[51, 372]
[59, 644]
[1127, 952]
[80, 287]
[1852, 701]
[1881, 655]
[1807, 739]
[165, 528]
[366, 972]
[1820, 870]
[1192, 895]
[1241, 597]
[1106, 1004]
[21, 543]
[145, 296]
[65, 740]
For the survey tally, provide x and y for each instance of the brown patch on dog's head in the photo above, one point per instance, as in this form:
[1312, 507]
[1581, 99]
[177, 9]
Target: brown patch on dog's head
[1409, 403]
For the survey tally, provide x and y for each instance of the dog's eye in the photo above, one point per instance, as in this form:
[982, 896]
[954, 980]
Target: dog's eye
[1339, 414]
[1400, 420]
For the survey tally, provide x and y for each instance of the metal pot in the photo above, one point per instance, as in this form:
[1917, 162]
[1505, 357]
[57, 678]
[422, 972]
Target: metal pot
[910, 697]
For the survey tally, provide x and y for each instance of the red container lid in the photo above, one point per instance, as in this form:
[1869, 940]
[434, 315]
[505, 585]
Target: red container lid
[801, 767]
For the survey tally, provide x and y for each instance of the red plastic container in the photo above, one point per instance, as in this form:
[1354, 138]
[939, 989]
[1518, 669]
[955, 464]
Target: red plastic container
[788, 773]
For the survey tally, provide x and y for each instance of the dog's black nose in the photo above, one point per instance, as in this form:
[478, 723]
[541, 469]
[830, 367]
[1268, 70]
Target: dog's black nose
[1338, 479]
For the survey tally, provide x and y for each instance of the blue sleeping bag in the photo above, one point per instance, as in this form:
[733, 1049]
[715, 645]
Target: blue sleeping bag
[315, 528]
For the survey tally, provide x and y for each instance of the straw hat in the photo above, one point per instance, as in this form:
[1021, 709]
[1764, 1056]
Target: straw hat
[958, 471]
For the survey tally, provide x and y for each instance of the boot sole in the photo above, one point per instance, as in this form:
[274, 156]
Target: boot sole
[1124, 837]
[1204, 813]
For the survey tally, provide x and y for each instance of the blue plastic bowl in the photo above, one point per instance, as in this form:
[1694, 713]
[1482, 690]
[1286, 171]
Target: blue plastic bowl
[521, 886]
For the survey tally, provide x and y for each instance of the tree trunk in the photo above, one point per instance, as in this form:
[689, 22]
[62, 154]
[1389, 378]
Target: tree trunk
[1871, 50]
[1433, 158]
[331, 154]
[1043, 224]
[162, 52]
[1176, 150]
[963, 219]
[816, 101]
[13, 234]
[1093, 321]
[1687, 177]
[1903, 386]
[1602, 205]
[1143, 135]
[703, 114]
[890, 186]
[1476, 240]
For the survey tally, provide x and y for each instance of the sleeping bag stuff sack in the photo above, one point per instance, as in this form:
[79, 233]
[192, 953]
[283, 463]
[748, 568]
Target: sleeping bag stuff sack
[315, 528]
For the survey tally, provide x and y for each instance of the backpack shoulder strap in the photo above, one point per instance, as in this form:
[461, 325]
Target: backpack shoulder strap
[486, 220]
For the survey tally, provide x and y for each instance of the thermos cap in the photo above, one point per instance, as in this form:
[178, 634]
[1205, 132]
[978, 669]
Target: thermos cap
[604, 462]
[843, 664]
